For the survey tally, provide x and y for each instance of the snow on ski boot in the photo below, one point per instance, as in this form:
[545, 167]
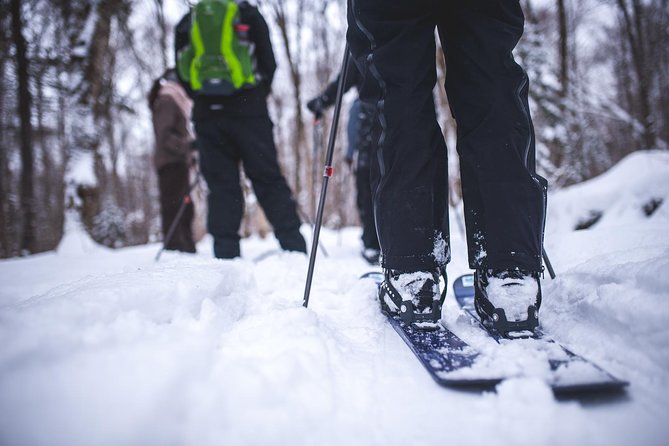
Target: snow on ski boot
[414, 296]
[508, 300]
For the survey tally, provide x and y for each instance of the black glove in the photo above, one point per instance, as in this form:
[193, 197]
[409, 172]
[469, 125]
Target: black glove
[316, 105]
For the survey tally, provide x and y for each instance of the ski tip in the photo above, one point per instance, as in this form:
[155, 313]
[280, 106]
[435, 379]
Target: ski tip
[463, 287]
[376, 276]
[595, 390]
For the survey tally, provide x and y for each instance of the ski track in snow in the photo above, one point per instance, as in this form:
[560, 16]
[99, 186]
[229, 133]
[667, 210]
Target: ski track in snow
[102, 347]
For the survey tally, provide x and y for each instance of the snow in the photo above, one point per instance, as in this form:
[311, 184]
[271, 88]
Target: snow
[409, 284]
[619, 194]
[514, 295]
[108, 347]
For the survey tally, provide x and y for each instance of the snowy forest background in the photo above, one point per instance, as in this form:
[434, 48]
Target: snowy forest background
[75, 129]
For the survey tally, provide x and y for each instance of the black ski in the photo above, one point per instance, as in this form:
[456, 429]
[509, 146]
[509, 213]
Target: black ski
[451, 362]
[445, 356]
[570, 372]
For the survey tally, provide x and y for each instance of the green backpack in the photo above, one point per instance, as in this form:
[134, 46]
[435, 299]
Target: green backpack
[219, 59]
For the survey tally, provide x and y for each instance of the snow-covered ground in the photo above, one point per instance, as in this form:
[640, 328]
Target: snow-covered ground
[102, 347]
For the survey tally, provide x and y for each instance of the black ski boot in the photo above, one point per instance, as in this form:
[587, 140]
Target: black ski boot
[414, 296]
[508, 300]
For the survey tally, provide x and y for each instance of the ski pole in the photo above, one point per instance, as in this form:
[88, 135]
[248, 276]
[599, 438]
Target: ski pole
[185, 201]
[318, 130]
[327, 173]
[310, 222]
[549, 267]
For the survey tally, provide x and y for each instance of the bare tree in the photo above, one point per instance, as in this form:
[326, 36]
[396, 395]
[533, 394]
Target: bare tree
[634, 18]
[564, 47]
[26, 132]
[163, 29]
[6, 237]
[293, 58]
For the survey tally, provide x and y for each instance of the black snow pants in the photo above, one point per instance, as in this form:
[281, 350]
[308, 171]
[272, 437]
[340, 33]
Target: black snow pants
[364, 198]
[223, 142]
[173, 186]
[393, 44]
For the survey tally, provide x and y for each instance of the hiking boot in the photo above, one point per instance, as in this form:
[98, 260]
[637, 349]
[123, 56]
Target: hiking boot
[371, 255]
[414, 296]
[508, 300]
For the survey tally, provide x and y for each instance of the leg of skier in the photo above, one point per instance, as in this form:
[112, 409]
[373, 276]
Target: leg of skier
[393, 44]
[364, 197]
[219, 164]
[261, 164]
[504, 198]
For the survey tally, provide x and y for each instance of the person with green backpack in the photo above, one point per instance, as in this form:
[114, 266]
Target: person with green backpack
[225, 60]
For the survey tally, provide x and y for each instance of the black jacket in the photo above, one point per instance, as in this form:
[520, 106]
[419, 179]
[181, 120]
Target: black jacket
[246, 102]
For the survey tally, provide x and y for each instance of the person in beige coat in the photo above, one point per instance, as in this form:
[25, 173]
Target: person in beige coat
[173, 156]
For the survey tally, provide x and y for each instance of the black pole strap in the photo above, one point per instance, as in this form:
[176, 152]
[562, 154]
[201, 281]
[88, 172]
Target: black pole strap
[328, 171]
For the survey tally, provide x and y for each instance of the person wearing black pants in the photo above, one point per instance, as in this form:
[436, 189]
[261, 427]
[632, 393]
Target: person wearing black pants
[170, 111]
[364, 144]
[173, 184]
[236, 128]
[359, 139]
[224, 141]
[393, 45]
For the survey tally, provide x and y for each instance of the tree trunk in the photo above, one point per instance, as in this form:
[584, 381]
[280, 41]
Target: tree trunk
[91, 106]
[5, 173]
[162, 32]
[564, 48]
[296, 79]
[27, 189]
[634, 33]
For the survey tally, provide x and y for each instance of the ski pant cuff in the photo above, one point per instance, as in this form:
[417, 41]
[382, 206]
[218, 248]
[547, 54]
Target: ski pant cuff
[409, 264]
[226, 248]
[508, 260]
